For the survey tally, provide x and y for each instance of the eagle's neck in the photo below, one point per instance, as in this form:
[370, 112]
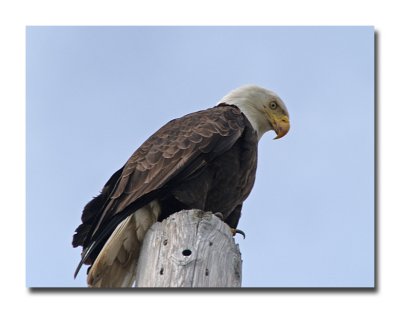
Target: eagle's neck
[259, 123]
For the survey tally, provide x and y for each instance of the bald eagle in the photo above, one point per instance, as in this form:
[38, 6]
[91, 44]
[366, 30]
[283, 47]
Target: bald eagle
[204, 160]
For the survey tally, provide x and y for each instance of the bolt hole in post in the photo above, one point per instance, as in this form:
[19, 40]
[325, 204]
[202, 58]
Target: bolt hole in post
[186, 252]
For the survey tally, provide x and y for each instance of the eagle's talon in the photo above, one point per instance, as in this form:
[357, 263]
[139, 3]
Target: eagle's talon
[238, 231]
[219, 215]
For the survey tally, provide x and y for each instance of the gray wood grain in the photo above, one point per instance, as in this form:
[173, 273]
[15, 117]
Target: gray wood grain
[189, 249]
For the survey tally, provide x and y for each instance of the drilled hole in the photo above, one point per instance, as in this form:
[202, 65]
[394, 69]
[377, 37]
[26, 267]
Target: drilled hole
[207, 272]
[165, 242]
[186, 252]
[161, 271]
[210, 243]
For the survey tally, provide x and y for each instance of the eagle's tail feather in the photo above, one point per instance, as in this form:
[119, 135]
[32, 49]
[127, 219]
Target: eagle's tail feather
[115, 266]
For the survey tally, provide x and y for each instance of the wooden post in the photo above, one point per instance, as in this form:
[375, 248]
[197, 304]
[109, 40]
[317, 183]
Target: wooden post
[191, 248]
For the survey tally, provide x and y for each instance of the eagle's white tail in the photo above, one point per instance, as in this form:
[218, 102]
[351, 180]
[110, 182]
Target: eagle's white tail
[115, 266]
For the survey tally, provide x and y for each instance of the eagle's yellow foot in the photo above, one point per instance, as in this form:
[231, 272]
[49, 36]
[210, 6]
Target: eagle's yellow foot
[238, 231]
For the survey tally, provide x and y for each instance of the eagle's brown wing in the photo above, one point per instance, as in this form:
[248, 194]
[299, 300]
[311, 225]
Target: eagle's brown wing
[173, 154]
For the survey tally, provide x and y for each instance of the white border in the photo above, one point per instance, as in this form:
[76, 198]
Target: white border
[15, 15]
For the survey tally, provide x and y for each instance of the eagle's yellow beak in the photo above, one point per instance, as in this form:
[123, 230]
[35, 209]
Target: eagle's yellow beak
[281, 126]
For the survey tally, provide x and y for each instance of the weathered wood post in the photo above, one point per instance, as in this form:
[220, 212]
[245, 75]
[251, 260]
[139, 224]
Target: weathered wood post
[191, 248]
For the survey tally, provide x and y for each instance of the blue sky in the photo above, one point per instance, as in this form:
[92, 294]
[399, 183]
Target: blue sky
[94, 94]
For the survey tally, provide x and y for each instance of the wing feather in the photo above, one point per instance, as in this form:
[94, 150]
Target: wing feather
[174, 153]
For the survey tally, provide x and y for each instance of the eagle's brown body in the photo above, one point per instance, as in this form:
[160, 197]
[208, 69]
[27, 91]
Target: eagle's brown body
[205, 160]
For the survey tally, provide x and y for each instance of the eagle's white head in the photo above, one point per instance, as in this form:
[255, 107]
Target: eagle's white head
[262, 107]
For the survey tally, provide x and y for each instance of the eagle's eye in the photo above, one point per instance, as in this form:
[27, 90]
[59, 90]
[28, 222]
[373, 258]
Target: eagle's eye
[273, 105]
